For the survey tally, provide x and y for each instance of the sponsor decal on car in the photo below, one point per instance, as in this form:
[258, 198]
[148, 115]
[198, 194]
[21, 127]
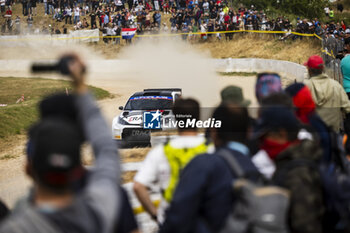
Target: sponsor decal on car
[151, 97]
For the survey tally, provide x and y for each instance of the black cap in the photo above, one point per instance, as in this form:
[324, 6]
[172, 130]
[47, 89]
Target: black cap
[61, 105]
[54, 152]
[274, 118]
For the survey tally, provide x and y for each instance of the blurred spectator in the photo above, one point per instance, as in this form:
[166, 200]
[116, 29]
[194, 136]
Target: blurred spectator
[203, 198]
[68, 16]
[234, 94]
[76, 14]
[260, 158]
[278, 130]
[33, 7]
[345, 67]
[266, 84]
[55, 167]
[164, 163]
[18, 25]
[329, 96]
[2, 6]
[306, 113]
[30, 23]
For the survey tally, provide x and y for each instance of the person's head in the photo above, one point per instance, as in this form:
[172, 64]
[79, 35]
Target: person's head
[347, 42]
[234, 124]
[234, 94]
[277, 128]
[184, 110]
[266, 84]
[302, 100]
[315, 65]
[53, 151]
[277, 99]
[53, 155]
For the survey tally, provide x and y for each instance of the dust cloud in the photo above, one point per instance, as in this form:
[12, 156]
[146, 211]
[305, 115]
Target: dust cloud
[174, 64]
[147, 63]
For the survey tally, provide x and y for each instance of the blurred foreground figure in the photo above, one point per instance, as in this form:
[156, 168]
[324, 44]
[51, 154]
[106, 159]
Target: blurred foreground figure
[203, 198]
[58, 203]
[164, 163]
[329, 96]
[278, 130]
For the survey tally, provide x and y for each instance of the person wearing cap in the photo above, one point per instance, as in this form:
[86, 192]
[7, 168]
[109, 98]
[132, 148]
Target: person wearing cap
[305, 110]
[61, 200]
[277, 129]
[329, 96]
[234, 94]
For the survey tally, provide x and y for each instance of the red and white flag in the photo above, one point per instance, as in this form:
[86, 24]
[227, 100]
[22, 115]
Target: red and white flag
[128, 33]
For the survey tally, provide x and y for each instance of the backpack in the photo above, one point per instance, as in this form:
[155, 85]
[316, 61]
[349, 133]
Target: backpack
[258, 208]
[335, 181]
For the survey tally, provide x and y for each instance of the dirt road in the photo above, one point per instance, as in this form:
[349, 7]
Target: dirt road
[13, 181]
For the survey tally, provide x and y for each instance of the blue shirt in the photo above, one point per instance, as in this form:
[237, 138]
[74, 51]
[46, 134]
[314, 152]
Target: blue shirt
[203, 198]
[243, 149]
[345, 69]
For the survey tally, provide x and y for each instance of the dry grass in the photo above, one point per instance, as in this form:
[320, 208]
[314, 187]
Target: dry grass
[133, 155]
[40, 19]
[128, 176]
[263, 46]
[12, 146]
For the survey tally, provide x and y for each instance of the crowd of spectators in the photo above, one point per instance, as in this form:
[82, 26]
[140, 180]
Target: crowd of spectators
[149, 17]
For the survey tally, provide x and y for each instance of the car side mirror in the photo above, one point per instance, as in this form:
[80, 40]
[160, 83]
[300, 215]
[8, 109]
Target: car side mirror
[121, 107]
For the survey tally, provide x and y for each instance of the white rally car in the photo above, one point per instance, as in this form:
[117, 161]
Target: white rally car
[128, 127]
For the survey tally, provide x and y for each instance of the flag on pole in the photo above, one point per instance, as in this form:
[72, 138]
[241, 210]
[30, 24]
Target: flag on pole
[128, 33]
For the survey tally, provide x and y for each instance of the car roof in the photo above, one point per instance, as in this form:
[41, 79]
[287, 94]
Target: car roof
[152, 93]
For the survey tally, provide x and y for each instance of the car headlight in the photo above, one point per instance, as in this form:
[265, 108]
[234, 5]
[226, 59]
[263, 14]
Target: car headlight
[122, 121]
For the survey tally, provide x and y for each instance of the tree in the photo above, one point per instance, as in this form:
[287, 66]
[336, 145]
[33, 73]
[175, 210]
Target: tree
[301, 8]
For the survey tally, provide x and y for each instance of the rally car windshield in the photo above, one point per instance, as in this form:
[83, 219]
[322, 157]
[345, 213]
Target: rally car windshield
[149, 103]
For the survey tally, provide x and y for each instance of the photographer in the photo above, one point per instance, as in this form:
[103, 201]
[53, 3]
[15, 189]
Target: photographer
[57, 204]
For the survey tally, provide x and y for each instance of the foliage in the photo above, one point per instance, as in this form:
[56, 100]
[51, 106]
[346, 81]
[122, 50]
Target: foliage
[301, 8]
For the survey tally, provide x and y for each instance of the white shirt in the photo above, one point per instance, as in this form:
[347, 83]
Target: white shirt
[156, 169]
[206, 6]
[119, 3]
[264, 164]
[76, 11]
[222, 14]
[69, 11]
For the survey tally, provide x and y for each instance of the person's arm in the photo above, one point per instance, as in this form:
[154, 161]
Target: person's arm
[145, 177]
[345, 103]
[102, 192]
[143, 196]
